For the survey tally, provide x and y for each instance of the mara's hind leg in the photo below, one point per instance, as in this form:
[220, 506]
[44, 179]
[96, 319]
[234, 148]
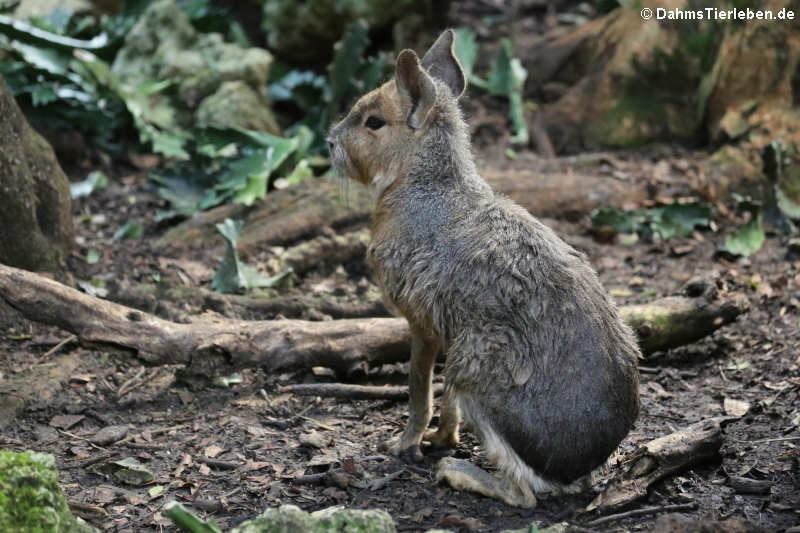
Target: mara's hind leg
[463, 475]
[446, 435]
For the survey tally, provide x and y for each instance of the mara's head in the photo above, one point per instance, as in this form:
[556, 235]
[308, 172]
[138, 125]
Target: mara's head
[384, 130]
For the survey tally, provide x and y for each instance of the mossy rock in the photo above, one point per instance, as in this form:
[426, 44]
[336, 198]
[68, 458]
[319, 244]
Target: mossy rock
[31, 499]
[163, 45]
[291, 519]
[236, 104]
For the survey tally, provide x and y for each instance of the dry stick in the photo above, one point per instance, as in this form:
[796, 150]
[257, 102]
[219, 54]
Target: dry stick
[642, 512]
[764, 441]
[58, 346]
[354, 392]
[91, 461]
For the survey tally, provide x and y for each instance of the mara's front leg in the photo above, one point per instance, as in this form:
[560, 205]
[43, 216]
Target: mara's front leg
[420, 396]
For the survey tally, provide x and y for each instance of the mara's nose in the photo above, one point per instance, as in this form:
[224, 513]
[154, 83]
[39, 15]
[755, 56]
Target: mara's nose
[329, 140]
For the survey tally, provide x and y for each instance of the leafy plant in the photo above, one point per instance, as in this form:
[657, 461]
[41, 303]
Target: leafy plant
[231, 165]
[506, 78]
[748, 238]
[53, 88]
[321, 98]
[233, 275]
[674, 220]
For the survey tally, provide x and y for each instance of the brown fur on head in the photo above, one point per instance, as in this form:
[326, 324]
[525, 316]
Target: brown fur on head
[378, 138]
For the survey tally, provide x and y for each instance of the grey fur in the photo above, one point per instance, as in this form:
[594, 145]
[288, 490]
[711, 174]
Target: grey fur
[538, 359]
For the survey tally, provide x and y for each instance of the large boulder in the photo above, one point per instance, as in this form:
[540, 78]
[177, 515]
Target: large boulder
[30, 497]
[163, 46]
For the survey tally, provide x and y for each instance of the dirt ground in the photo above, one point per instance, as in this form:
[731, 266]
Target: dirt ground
[231, 452]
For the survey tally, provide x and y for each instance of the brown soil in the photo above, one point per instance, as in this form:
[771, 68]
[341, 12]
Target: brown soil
[229, 453]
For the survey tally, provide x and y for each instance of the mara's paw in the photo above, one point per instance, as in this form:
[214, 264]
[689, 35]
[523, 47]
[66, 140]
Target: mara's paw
[396, 447]
[463, 475]
[441, 440]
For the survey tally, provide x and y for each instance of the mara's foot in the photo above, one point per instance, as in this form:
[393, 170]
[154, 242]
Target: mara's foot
[463, 475]
[441, 439]
[396, 447]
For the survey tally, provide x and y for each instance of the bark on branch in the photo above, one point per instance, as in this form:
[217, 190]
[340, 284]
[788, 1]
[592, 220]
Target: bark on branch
[209, 346]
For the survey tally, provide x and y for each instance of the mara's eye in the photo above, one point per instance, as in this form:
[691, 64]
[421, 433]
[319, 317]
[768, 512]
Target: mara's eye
[374, 123]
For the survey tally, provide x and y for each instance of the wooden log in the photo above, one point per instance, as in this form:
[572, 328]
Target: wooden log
[306, 210]
[209, 346]
[675, 321]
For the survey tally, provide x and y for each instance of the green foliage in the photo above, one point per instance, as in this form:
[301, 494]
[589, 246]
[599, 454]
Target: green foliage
[132, 229]
[52, 86]
[506, 78]
[748, 238]
[233, 275]
[674, 220]
[230, 165]
[321, 98]
[187, 521]
[466, 51]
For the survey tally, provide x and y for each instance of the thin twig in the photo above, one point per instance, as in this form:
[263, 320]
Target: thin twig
[91, 461]
[126, 387]
[641, 512]
[353, 392]
[58, 346]
[764, 441]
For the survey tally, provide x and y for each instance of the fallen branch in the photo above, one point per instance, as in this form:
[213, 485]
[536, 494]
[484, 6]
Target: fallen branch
[211, 346]
[353, 392]
[659, 458]
[675, 321]
[307, 209]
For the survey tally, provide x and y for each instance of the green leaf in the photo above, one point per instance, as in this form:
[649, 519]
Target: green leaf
[186, 521]
[747, 239]
[302, 171]
[226, 280]
[466, 50]
[95, 180]
[132, 472]
[233, 275]
[256, 189]
[251, 279]
[620, 221]
[92, 256]
[679, 219]
[17, 29]
[507, 78]
[343, 70]
[132, 229]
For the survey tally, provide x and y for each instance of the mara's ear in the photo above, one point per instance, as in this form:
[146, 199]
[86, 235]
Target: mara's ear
[441, 63]
[414, 85]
